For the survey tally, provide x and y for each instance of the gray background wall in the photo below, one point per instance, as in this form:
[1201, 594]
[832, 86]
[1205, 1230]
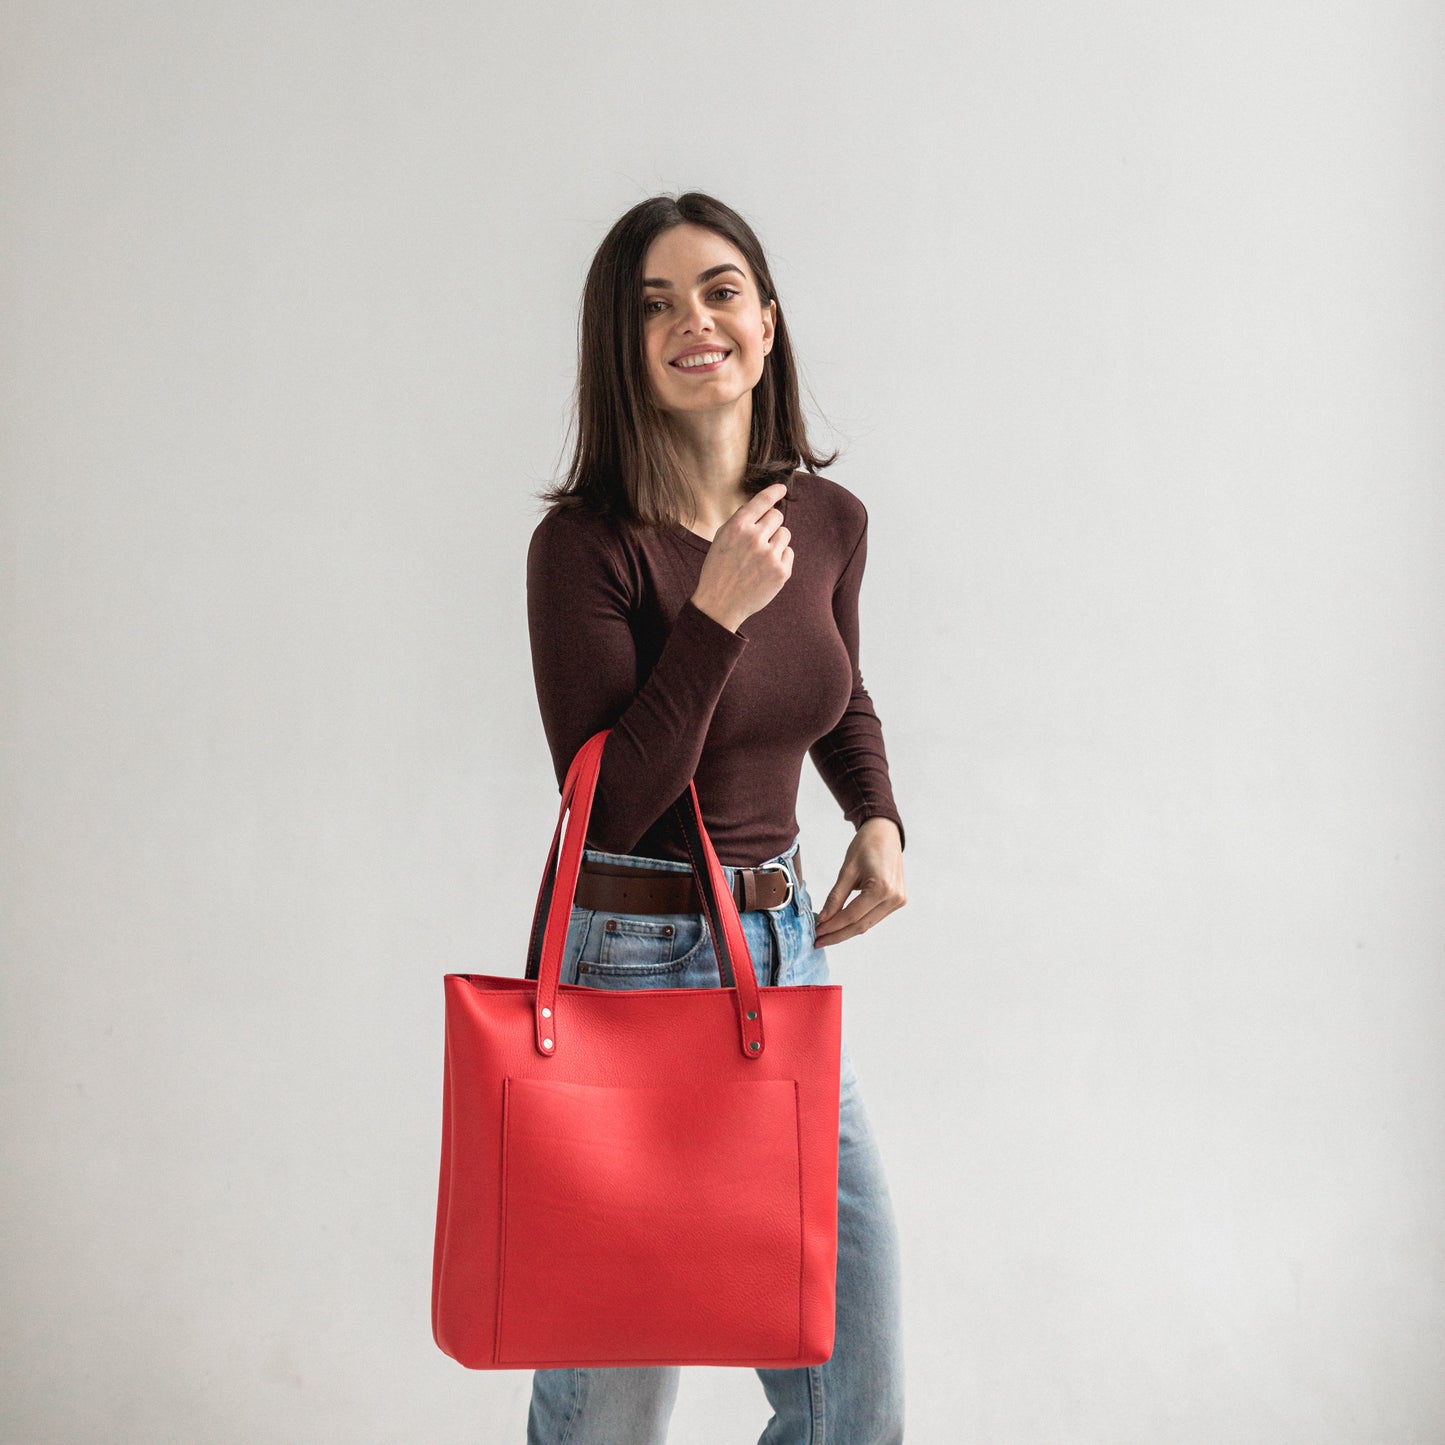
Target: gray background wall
[1130, 321]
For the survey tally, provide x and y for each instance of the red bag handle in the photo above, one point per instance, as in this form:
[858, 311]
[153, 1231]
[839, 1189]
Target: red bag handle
[553, 911]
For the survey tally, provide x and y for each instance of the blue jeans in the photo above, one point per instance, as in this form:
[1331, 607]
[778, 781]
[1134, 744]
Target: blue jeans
[856, 1396]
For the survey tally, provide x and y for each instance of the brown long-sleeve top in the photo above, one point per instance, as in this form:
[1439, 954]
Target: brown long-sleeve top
[617, 642]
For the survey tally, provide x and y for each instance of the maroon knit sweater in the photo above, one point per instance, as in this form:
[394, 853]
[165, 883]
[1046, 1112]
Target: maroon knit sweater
[617, 642]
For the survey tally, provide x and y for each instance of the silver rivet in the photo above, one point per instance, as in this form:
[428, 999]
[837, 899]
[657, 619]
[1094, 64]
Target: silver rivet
[546, 1043]
[755, 1046]
[752, 1013]
[546, 1013]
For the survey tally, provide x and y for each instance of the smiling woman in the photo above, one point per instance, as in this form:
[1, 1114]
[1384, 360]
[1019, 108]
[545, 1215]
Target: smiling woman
[694, 590]
[671, 277]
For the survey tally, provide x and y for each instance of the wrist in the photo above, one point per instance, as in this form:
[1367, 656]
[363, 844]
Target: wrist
[879, 823]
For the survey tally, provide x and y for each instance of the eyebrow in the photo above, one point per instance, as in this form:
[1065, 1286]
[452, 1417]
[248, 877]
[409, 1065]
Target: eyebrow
[707, 275]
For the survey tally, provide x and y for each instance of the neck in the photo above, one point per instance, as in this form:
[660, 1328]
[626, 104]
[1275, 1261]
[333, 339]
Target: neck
[713, 446]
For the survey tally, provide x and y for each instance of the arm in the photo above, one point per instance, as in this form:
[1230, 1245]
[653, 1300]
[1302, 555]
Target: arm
[851, 757]
[584, 664]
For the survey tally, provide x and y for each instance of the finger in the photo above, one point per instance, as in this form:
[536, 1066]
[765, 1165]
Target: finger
[755, 506]
[870, 898]
[837, 895]
[856, 918]
[863, 904]
[769, 525]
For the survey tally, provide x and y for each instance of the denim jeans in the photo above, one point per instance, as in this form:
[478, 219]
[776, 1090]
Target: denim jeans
[856, 1396]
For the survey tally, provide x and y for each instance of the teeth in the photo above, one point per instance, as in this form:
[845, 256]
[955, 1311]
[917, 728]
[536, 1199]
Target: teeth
[702, 359]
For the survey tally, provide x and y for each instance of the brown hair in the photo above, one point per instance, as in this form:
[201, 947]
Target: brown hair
[624, 461]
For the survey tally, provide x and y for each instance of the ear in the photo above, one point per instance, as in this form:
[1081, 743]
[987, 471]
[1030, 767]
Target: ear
[770, 325]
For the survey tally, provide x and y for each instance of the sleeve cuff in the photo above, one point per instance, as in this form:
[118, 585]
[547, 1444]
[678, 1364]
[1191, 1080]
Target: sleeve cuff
[707, 630]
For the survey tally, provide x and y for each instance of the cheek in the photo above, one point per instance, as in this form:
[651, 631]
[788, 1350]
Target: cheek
[753, 355]
[657, 368]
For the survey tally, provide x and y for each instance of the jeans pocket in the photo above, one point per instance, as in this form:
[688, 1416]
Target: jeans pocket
[641, 950]
[579, 928]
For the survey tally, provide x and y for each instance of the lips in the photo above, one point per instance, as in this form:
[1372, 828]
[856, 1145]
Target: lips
[687, 357]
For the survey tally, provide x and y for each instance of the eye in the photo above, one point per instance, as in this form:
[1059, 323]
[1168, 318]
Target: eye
[727, 291]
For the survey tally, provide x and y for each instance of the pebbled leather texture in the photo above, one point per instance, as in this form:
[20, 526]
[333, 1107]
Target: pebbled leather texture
[650, 1190]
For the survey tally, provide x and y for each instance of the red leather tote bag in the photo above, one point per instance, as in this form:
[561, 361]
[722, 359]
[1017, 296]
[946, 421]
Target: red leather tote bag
[641, 1177]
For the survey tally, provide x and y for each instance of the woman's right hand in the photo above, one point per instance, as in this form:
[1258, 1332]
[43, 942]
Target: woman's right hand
[748, 562]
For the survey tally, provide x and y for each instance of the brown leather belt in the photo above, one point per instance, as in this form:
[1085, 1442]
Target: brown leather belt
[621, 888]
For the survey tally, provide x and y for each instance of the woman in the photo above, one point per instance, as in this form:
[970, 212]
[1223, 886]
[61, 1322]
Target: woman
[693, 591]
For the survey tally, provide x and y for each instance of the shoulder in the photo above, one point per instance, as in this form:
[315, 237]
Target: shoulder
[569, 531]
[572, 544]
[831, 512]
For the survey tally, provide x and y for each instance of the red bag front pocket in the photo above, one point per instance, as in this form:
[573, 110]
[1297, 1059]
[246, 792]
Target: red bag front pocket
[615, 1209]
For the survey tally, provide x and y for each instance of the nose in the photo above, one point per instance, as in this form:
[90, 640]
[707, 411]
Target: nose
[697, 317]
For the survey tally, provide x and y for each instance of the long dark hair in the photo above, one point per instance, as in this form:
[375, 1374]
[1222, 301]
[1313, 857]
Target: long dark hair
[624, 462]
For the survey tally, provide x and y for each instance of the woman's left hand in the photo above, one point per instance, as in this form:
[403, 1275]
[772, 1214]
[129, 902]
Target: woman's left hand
[873, 865]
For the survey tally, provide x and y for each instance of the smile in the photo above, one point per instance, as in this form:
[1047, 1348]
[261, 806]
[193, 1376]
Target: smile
[703, 361]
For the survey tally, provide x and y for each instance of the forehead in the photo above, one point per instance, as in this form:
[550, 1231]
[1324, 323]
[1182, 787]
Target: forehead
[689, 255]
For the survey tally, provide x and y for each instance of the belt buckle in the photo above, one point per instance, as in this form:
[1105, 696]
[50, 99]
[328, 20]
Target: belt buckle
[777, 868]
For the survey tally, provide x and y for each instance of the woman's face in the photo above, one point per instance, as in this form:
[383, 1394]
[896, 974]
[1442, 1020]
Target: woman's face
[698, 295]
